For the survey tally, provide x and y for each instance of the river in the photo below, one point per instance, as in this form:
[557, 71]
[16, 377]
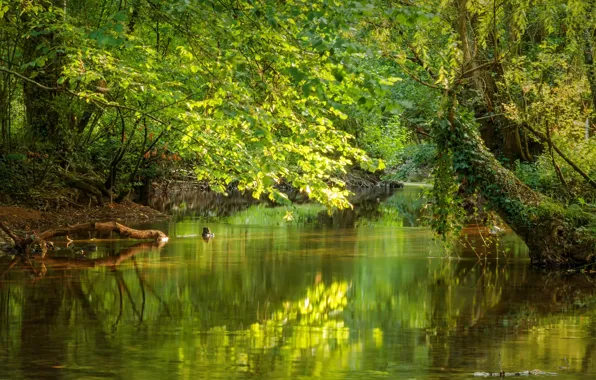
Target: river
[365, 293]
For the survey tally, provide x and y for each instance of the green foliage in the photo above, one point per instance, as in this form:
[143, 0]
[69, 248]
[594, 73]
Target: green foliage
[447, 213]
[415, 162]
[13, 166]
[541, 175]
[259, 94]
[380, 137]
[261, 215]
[251, 97]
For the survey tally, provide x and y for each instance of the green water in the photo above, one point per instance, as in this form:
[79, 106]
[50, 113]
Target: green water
[358, 295]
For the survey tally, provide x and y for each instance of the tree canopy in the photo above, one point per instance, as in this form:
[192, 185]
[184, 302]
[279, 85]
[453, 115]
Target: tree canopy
[265, 95]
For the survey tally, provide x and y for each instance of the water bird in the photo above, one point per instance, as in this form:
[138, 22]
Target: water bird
[207, 234]
[79, 252]
[496, 231]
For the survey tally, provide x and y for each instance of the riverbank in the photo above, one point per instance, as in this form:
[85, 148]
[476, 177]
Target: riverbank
[22, 219]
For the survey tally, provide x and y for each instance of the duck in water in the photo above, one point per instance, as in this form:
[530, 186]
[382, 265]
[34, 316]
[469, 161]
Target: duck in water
[496, 231]
[207, 234]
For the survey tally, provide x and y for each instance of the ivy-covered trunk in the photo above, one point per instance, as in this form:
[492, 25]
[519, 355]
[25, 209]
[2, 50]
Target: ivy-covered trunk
[556, 236]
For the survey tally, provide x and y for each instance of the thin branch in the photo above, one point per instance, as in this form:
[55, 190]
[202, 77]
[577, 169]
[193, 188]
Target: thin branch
[128, 293]
[411, 75]
[423, 133]
[563, 156]
[121, 303]
[96, 101]
[4, 69]
[142, 283]
[552, 156]
[479, 67]
[489, 116]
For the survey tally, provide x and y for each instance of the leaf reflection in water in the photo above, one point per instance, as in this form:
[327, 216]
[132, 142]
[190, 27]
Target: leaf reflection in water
[290, 302]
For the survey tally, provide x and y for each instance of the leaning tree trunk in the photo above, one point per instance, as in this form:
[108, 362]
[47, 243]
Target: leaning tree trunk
[552, 235]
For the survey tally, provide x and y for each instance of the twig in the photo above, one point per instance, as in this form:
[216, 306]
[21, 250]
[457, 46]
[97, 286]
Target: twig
[552, 156]
[479, 67]
[26, 260]
[128, 293]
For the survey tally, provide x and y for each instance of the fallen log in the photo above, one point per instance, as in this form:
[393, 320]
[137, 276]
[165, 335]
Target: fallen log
[24, 244]
[120, 229]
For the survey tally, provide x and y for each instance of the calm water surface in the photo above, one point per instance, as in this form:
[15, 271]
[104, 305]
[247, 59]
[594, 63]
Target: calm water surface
[361, 294]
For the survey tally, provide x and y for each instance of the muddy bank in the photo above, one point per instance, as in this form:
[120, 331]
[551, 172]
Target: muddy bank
[21, 219]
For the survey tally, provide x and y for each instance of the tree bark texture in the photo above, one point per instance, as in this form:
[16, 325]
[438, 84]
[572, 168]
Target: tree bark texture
[553, 237]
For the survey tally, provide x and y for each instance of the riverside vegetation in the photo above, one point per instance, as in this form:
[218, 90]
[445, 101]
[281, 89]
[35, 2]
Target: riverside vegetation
[100, 99]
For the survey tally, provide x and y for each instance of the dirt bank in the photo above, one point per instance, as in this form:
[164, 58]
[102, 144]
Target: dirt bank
[21, 219]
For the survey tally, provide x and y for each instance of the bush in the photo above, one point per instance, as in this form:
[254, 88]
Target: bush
[384, 141]
[415, 162]
[14, 168]
[541, 175]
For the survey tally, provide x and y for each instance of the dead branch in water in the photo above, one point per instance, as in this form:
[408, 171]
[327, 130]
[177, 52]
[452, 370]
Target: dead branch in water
[24, 244]
[120, 229]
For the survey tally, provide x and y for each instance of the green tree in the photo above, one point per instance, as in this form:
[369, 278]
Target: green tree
[453, 53]
[259, 95]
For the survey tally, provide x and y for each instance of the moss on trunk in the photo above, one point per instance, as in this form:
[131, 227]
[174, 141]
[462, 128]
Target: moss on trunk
[555, 235]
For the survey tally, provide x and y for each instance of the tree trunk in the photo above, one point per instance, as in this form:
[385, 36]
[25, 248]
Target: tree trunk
[499, 136]
[42, 113]
[109, 261]
[552, 235]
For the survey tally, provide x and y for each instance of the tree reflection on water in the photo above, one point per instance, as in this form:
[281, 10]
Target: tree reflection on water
[372, 300]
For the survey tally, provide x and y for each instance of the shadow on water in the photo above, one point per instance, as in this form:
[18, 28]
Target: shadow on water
[369, 298]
